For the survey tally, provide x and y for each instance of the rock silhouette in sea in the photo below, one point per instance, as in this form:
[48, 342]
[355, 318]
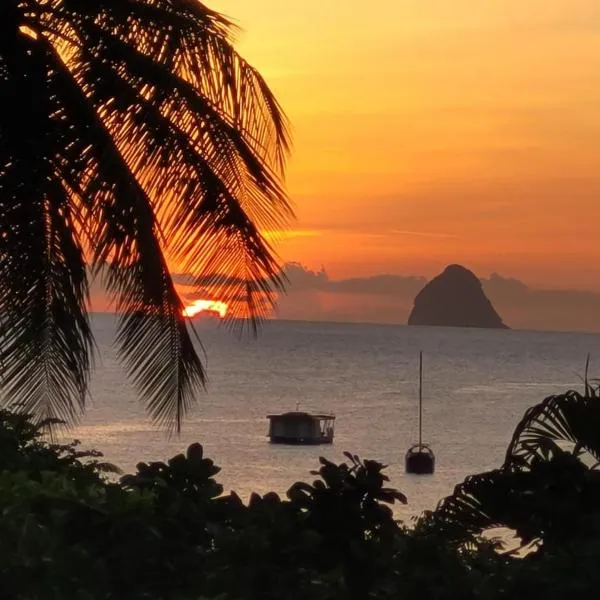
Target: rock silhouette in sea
[455, 298]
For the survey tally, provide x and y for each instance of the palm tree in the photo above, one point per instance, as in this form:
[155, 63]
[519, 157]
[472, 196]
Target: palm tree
[131, 132]
[549, 484]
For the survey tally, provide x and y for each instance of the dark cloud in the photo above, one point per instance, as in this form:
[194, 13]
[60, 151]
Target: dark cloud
[388, 298]
[523, 307]
[214, 279]
[500, 286]
[301, 278]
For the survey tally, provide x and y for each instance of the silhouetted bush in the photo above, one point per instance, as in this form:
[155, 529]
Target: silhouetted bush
[70, 531]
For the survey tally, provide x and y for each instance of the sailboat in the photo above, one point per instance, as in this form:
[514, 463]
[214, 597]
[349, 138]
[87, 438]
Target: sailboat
[419, 459]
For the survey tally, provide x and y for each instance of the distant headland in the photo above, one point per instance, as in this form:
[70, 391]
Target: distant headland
[455, 298]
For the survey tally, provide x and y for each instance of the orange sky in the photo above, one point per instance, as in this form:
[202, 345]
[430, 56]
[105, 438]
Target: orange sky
[436, 131]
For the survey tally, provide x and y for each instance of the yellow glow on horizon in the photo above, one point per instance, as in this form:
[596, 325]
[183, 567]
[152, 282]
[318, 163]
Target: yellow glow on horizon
[199, 306]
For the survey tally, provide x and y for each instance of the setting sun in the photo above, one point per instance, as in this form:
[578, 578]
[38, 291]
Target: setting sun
[199, 306]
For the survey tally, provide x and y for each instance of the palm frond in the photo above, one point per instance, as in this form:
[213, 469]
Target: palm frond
[570, 420]
[153, 336]
[545, 484]
[477, 504]
[151, 138]
[195, 138]
[544, 503]
[46, 337]
[159, 350]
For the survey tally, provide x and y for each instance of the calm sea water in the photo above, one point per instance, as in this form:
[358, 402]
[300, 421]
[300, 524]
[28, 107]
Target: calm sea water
[477, 385]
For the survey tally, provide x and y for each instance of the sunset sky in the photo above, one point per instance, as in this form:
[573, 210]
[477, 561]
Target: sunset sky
[436, 131]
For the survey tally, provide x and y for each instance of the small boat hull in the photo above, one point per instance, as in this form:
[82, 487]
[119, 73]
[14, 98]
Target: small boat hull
[420, 460]
[295, 441]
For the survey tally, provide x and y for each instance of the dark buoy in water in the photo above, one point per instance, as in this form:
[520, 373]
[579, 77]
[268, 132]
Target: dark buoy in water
[419, 459]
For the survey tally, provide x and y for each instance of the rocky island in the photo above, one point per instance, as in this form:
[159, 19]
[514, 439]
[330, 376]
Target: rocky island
[455, 298]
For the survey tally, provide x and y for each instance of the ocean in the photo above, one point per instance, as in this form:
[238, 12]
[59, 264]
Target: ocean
[477, 386]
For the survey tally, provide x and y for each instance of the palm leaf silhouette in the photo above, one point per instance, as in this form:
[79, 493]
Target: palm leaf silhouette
[569, 422]
[131, 132]
[549, 481]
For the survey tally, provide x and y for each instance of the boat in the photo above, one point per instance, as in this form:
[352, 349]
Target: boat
[298, 427]
[419, 458]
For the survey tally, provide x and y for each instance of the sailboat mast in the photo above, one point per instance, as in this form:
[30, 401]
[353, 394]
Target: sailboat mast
[419, 459]
[420, 399]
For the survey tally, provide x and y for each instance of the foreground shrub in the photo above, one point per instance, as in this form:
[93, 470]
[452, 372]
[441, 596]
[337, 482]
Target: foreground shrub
[70, 530]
